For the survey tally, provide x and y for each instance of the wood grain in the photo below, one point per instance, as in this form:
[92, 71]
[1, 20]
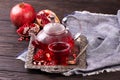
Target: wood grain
[9, 44]
[63, 7]
[12, 69]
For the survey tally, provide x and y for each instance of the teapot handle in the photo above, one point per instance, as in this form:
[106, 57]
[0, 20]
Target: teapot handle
[64, 20]
[74, 33]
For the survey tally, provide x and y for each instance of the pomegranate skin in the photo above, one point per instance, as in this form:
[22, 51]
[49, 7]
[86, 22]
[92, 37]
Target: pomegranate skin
[46, 16]
[22, 13]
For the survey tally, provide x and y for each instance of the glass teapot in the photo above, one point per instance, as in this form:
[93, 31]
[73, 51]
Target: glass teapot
[52, 32]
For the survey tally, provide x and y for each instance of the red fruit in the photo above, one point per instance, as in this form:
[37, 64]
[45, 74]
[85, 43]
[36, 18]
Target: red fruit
[22, 13]
[24, 30]
[39, 55]
[44, 17]
[42, 56]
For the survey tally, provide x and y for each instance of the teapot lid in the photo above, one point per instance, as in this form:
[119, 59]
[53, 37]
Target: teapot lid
[54, 28]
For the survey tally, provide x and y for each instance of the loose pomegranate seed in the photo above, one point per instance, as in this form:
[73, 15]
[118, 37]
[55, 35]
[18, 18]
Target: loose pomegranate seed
[39, 55]
[44, 18]
[21, 38]
[23, 31]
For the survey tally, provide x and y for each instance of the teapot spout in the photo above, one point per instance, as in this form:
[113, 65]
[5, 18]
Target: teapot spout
[32, 36]
[35, 42]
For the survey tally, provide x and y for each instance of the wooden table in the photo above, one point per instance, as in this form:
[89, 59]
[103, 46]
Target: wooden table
[12, 69]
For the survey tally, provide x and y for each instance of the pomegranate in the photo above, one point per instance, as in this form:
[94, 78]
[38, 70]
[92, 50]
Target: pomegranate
[22, 13]
[43, 58]
[46, 16]
[24, 30]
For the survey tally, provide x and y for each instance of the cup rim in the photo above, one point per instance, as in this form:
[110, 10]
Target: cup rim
[68, 47]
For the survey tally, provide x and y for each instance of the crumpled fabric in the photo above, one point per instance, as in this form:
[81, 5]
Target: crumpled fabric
[103, 35]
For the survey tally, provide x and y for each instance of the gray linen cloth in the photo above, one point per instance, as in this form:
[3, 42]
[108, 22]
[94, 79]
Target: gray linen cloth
[103, 34]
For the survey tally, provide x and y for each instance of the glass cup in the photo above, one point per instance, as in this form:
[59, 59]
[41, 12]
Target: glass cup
[60, 51]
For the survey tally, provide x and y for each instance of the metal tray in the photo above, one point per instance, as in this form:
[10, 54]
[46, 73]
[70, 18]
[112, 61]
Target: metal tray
[80, 42]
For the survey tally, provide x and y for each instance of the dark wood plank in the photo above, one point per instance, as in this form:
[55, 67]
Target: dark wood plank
[23, 76]
[9, 44]
[11, 64]
[11, 75]
[18, 76]
[12, 69]
[63, 7]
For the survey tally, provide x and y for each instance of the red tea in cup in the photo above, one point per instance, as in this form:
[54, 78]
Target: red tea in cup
[61, 51]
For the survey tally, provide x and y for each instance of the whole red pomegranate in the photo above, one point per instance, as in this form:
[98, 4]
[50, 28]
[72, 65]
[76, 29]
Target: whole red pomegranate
[22, 13]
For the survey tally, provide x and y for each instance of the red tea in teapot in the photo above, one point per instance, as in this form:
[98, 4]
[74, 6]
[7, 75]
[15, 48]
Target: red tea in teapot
[54, 32]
